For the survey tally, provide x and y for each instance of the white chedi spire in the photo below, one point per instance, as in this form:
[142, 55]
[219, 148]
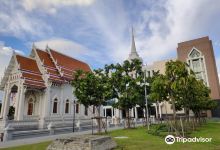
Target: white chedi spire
[133, 54]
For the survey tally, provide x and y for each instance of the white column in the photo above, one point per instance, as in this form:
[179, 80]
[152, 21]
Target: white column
[62, 102]
[160, 111]
[21, 103]
[132, 112]
[4, 101]
[6, 104]
[47, 101]
[135, 111]
[17, 102]
[105, 112]
[112, 112]
[156, 111]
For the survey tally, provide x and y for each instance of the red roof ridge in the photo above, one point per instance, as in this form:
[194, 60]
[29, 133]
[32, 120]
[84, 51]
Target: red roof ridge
[24, 56]
[38, 49]
[68, 56]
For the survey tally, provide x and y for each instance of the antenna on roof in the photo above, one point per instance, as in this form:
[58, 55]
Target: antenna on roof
[47, 47]
[13, 52]
[34, 46]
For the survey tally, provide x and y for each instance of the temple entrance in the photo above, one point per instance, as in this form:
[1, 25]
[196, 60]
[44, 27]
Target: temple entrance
[152, 111]
[140, 112]
[32, 105]
[13, 95]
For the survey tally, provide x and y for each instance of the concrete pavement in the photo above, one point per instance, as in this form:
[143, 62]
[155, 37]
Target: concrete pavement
[14, 143]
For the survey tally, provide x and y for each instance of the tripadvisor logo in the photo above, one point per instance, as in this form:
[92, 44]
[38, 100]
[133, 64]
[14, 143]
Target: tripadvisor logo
[170, 139]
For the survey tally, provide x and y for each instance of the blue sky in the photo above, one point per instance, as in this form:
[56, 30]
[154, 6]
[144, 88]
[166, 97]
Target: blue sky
[99, 31]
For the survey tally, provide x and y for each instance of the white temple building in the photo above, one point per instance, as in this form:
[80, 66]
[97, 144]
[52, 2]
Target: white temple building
[40, 91]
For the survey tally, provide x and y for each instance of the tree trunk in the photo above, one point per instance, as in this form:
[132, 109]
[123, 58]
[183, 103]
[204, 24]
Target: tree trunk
[146, 121]
[187, 114]
[128, 119]
[174, 109]
[99, 119]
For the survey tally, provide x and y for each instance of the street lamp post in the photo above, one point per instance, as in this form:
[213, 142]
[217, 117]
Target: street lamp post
[145, 94]
[74, 116]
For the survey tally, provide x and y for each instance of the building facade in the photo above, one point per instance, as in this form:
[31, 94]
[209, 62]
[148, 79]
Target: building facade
[199, 55]
[39, 89]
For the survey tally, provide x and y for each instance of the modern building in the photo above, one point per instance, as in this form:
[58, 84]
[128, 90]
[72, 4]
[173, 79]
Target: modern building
[198, 53]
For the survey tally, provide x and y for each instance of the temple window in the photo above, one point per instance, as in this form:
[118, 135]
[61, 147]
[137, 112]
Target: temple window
[77, 108]
[55, 104]
[67, 107]
[86, 110]
[30, 107]
[93, 109]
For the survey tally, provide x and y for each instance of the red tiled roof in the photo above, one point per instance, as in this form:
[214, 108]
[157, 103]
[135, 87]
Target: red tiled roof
[68, 65]
[27, 64]
[30, 72]
[49, 65]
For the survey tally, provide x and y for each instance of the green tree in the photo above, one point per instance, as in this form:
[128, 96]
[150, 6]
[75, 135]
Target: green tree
[175, 71]
[201, 100]
[92, 88]
[124, 79]
[158, 89]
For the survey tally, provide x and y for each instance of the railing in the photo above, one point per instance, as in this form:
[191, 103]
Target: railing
[31, 118]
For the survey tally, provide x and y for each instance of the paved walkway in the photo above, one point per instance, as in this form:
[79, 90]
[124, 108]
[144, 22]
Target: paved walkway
[14, 143]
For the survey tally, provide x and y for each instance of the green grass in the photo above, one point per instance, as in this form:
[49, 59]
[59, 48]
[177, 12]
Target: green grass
[139, 139]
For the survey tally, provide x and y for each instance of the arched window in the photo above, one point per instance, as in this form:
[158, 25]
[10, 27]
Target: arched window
[93, 109]
[197, 63]
[77, 108]
[194, 54]
[55, 103]
[86, 110]
[67, 105]
[30, 107]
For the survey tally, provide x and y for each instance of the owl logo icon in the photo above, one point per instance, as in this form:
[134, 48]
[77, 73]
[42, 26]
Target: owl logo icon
[169, 139]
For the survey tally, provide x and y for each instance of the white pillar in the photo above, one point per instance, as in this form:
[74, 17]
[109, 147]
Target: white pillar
[6, 104]
[21, 103]
[112, 112]
[62, 103]
[4, 101]
[46, 103]
[105, 112]
[135, 111]
[160, 111]
[156, 111]
[17, 102]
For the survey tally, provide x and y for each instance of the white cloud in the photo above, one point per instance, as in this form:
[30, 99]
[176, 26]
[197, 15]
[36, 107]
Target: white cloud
[104, 26]
[172, 22]
[16, 22]
[5, 56]
[71, 48]
[63, 45]
[51, 5]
